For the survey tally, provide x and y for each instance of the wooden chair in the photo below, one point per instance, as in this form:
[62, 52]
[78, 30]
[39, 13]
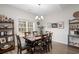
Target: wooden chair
[50, 40]
[30, 44]
[47, 38]
[19, 45]
[35, 33]
[46, 43]
[38, 46]
[27, 33]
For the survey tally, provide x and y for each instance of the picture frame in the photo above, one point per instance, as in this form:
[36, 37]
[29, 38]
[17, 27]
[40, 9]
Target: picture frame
[54, 25]
[2, 40]
[61, 25]
[10, 38]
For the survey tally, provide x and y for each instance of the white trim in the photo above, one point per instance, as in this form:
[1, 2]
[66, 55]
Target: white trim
[60, 42]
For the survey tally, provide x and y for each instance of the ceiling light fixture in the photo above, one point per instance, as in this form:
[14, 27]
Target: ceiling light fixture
[36, 17]
[39, 18]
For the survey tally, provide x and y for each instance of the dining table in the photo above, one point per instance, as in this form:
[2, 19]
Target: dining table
[30, 40]
[35, 41]
[32, 37]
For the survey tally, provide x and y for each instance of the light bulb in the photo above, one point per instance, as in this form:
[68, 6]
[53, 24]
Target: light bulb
[36, 17]
[39, 18]
[42, 17]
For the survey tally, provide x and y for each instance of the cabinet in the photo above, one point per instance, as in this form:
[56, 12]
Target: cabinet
[73, 37]
[7, 40]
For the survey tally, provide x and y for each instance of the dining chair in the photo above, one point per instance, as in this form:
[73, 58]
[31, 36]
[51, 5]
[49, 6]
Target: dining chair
[30, 44]
[46, 44]
[21, 47]
[27, 33]
[38, 46]
[35, 33]
[50, 40]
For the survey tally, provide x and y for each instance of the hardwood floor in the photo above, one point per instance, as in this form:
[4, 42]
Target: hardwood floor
[58, 48]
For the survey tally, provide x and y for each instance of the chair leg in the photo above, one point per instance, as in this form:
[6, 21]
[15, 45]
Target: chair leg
[48, 47]
[29, 50]
[44, 49]
[51, 46]
[33, 50]
[20, 51]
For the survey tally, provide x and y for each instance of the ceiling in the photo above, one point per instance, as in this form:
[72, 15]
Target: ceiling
[39, 10]
[42, 9]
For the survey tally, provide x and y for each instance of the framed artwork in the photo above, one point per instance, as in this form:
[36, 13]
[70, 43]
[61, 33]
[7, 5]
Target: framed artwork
[61, 25]
[10, 38]
[2, 40]
[54, 25]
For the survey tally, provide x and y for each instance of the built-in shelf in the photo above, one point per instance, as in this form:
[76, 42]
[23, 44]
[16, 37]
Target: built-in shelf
[5, 29]
[6, 22]
[9, 42]
[74, 23]
[7, 35]
[73, 37]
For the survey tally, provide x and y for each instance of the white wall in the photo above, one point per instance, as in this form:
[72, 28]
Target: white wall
[15, 14]
[64, 14]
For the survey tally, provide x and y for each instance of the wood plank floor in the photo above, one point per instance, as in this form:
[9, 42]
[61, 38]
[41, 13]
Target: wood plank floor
[58, 48]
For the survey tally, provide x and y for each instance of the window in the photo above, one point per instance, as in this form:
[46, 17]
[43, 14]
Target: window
[25, 26]
[22, 26]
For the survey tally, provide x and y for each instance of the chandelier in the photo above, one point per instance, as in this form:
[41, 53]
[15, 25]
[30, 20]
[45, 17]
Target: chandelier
[39, 18]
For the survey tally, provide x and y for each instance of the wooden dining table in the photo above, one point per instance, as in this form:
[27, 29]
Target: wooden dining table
[30, 40]
[35, 41]
[33, 38]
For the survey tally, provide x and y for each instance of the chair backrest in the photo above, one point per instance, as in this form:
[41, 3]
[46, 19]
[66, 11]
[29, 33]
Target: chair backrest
[50, 35]
[45, 38]
[27, 33]
[35, 33]
[38, 43]
[18, 42]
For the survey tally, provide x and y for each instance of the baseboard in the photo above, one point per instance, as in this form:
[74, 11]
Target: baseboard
[60, 42]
